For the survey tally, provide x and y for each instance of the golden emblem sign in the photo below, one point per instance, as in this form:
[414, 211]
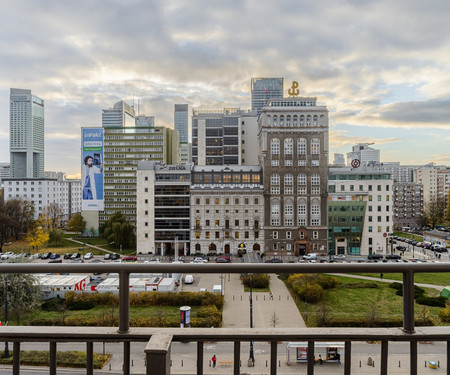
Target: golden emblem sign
[294, 91]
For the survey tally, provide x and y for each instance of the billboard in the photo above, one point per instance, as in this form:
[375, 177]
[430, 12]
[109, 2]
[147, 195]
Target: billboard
[92, 169]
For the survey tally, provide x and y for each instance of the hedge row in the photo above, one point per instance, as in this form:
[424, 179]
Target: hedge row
[75, 359]
[258, 281]
[419, 296]
[311, 287]
[361, 322]
[81, 301]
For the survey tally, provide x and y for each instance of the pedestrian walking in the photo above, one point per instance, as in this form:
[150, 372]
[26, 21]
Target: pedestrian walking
[320, 359]
[381, 275]
[270, 295]
[214, 360]
[338, 357]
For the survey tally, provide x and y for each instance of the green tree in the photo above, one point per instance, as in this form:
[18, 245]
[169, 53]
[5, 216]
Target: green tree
[118, 231]
[56, 237]
[23, 294]
[76, 223]
[434, 211]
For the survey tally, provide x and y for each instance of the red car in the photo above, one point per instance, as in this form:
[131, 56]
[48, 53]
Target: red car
[223, 259]
[129, 258]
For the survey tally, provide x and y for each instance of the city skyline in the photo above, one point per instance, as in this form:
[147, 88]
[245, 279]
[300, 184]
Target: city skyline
[380, 68]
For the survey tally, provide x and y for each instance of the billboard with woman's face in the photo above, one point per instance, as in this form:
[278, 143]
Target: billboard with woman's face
[92, 169]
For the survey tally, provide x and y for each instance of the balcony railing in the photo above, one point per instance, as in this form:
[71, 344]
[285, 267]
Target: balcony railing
[159, 340]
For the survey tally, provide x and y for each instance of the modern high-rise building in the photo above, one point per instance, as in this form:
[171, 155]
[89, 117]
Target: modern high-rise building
[121, 115]
[264, 89]
[364, 154]
[181, 123]
[26, 126]
[293, 151]
[142, 120]
[4, 171]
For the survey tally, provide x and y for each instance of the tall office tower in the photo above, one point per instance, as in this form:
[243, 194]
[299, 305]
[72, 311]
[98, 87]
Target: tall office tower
[121, 115]
[365, 154]
[26, 126]
[217, 137]
[293, 147]
[264, 89]
[123, 148]
[142, 120]
[181, 122]
[4, 171]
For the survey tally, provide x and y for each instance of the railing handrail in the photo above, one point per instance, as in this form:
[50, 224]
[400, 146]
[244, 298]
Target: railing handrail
[226, 268]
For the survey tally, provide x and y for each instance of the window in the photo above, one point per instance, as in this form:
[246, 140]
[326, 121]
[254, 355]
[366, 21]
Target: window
[246, 201]
[378, 187]
[315, 163]
[288, 146]
[315, 222]
[379, 208]
[197, 235]
[315, 235]
[275, 146]
[275, 235]
[379, 219]
[288, 235]
[302, 209]
[217, 200]
[275, 209]
[197, 224]
[275, 163]
[217, 223]
[217, 235]
[236, 200]
[301, 179]
[207, 201]
[315, 210]
[236, 223]
[315, 146]
[288, 222]
[246, 235]
[370, 187]
[370, 219]
[302, 222]
[275, 190]
[288, 163]
[236, 235]
[301, 190]
[288, 247]
[302, 163]
[387, 198]
[275, 222]
[370, 229]
[207, 235]
[256, 235]
[379, 198]
[301, 146]
[379, 229]
[275, 179]
[370, 198]
[370, 208]
[315, 179]
[289, 209]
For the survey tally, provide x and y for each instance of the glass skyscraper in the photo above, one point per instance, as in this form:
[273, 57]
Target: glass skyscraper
[264, 89]
[26, 126]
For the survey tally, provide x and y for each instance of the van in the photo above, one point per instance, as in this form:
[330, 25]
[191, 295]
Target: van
[217, 289]
[189, 279]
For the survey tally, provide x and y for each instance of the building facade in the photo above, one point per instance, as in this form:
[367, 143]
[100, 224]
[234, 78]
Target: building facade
[227, 209]
[181, 123]
[365, 154]
[26, 127]
[121, 115]
[360, 211]
[123, 148]
[293, 146]
[408, 205]
[264, 89]
[163, 208]
[42, 192]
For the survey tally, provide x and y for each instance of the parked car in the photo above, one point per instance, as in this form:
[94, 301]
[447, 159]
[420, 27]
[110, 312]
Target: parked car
[67, 256]
[46, 255]
[274, 260]
[310, 256]
[129, 258]
[189, 279]
[55, 261]
[340, 257]
[223, 260]
[375, 256]
[155, 260]
[107, 256]
[115, 256]
[88, 256]
[400, 248]
[393, 256]
[75, 256]
[55, 256]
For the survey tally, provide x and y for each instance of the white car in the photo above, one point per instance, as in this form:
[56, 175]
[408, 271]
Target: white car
[152, 261]
[310, 256]
[189, 279]
[88, 256]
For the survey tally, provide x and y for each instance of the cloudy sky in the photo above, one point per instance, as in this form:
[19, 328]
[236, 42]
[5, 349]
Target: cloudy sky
[381, 67]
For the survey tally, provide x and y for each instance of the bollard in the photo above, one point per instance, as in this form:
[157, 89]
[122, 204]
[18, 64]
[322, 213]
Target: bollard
[439, 363]
[264, 298]
[209, 363]
[359, 363]
[110, 367]
[288, 297]
[279, 363]
[233, 297]
[425, 363]
[257, 297]
[181, 363]
[240, 363]
[373, 364]
[241, 298]
[279, 298]
[170, 363]
[266, 362]
[399, 364]
[132, 363]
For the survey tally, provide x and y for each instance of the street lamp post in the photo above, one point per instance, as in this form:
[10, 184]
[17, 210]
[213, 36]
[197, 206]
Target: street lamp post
[251, 360]
[6, 352]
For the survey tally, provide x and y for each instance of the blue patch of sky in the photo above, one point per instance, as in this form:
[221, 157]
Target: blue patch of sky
[402, 93]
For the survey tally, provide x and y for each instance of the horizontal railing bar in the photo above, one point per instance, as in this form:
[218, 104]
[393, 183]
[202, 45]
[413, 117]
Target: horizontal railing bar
[225, 268]
[100, 334]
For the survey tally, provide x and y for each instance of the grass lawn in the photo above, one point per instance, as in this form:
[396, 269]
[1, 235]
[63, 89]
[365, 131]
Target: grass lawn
[257, 290]
[420, 278]
[99, 311]
[349, 300]
[414, 237]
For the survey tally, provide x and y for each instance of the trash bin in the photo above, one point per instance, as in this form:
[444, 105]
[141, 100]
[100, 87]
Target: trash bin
[370, 361]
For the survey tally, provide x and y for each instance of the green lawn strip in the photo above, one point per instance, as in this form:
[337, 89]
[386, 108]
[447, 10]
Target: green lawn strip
[442, 279]
[412, 236]
[136, 312]
[76, 359]
[349, 301]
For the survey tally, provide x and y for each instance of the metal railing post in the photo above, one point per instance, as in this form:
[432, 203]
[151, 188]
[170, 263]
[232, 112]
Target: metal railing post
[384, 358]
[124, 302]
[199, 357]
[310, 357]
[273, 357]
[348, 358]
[408, 302]
[52, 358]
[90, 358]
[413, 358]
[16, 358]
[237, 358]
[126, 358]
[157, 353]
[448, 357]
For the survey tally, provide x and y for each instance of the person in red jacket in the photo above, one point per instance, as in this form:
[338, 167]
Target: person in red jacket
[214, 360]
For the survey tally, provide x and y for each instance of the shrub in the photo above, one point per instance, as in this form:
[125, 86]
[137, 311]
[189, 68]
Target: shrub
[361, 285]
[309, 292]
[81, 305]
[396, 286]
[431, 301]
[53, 304]
[327, 282]
[258, 281]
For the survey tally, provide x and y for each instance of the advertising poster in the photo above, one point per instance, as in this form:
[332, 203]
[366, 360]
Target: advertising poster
[92, 169]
